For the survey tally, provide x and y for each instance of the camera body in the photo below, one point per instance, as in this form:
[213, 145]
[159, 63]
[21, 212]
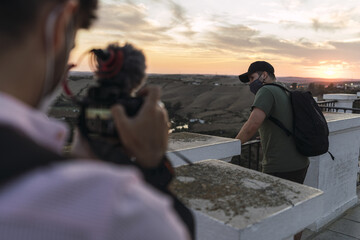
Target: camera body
[119, 72]
[98, 119]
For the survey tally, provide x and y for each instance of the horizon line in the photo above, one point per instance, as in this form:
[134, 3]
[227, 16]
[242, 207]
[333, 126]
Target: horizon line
[349, 79]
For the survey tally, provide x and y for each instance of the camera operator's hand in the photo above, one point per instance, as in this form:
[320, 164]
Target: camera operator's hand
[80, 147]
[144, 136]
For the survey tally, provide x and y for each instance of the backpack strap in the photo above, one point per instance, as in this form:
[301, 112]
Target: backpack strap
[332, 156]
[278, 85]
[280, 125]
[275, 120]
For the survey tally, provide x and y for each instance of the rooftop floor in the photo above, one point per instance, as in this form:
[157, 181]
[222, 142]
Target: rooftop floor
[346, 227]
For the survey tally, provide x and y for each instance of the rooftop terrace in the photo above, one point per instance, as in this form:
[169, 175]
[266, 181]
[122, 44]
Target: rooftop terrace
[232, 202]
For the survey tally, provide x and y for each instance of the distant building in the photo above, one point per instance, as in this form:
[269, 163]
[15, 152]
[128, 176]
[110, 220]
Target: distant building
[194, 120]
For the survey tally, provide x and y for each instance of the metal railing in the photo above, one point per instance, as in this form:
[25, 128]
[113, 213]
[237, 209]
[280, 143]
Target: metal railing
[250, 155]
[329, 106]
[356, 103]
[329, 103]
[339, 109]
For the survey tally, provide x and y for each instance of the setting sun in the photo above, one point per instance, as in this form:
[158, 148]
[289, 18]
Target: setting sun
[331, 69]
[330, 72]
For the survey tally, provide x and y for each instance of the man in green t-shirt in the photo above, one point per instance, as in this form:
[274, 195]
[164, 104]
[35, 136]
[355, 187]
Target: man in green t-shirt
[281, 158]
[280, 155]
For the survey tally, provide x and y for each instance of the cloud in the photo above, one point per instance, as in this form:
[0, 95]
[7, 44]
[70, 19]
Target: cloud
[292, 24]
[240, 40]
[311, 53]
[126, 17]
[346, 50]
[231, 37]
[317, 25]
[167, 28]
[179, 13]
[292, 4]
[131, 21]
[180, 18]
[134, 22]
[325, 18]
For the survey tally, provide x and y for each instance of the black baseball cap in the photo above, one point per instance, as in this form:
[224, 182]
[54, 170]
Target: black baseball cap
[257, 66]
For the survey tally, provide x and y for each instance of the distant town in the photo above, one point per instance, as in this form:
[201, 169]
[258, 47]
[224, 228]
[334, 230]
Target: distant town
[306, 83]
[317, 86]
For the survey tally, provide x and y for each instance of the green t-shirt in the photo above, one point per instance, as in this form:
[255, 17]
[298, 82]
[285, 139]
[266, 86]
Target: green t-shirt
[279, 151]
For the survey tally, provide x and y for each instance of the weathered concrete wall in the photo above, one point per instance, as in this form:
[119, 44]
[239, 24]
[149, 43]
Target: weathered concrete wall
[337, 178]
[231, 202]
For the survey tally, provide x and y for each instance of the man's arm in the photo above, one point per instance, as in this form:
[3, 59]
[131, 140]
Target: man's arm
[251, 126]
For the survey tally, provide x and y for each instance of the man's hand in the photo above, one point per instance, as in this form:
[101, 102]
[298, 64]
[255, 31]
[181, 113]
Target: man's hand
[146, 135]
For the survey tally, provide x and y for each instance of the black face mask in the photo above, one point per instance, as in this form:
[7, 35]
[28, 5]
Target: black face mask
[256, 85]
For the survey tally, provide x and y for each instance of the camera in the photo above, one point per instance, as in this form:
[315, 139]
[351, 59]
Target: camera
[119, 72]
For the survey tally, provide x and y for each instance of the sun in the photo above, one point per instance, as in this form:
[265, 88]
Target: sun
[332, 69]
[329, 72]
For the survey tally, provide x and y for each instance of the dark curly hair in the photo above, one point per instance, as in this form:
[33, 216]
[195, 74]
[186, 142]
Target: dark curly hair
[18, 17]
[127, 73]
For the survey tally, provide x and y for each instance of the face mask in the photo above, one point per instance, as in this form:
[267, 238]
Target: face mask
[256, 85]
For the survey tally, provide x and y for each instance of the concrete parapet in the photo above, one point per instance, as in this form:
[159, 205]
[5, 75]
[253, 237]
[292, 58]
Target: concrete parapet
[232, 202]
[197, 147]
[337, 178]
[207, 186]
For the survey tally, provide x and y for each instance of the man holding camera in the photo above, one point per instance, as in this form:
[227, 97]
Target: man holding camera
[45, 195]
[281, 159]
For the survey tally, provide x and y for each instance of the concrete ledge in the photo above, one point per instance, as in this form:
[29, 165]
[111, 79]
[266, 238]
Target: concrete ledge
[342, 121]
[197, 147]
[340, 96]
[232, 202]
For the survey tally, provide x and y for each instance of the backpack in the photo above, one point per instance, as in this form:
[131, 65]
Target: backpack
[310, 129]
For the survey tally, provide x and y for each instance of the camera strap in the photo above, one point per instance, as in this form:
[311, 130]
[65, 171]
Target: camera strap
[15, 163]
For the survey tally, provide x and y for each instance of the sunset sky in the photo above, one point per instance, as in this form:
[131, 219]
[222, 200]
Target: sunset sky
[299, 37]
